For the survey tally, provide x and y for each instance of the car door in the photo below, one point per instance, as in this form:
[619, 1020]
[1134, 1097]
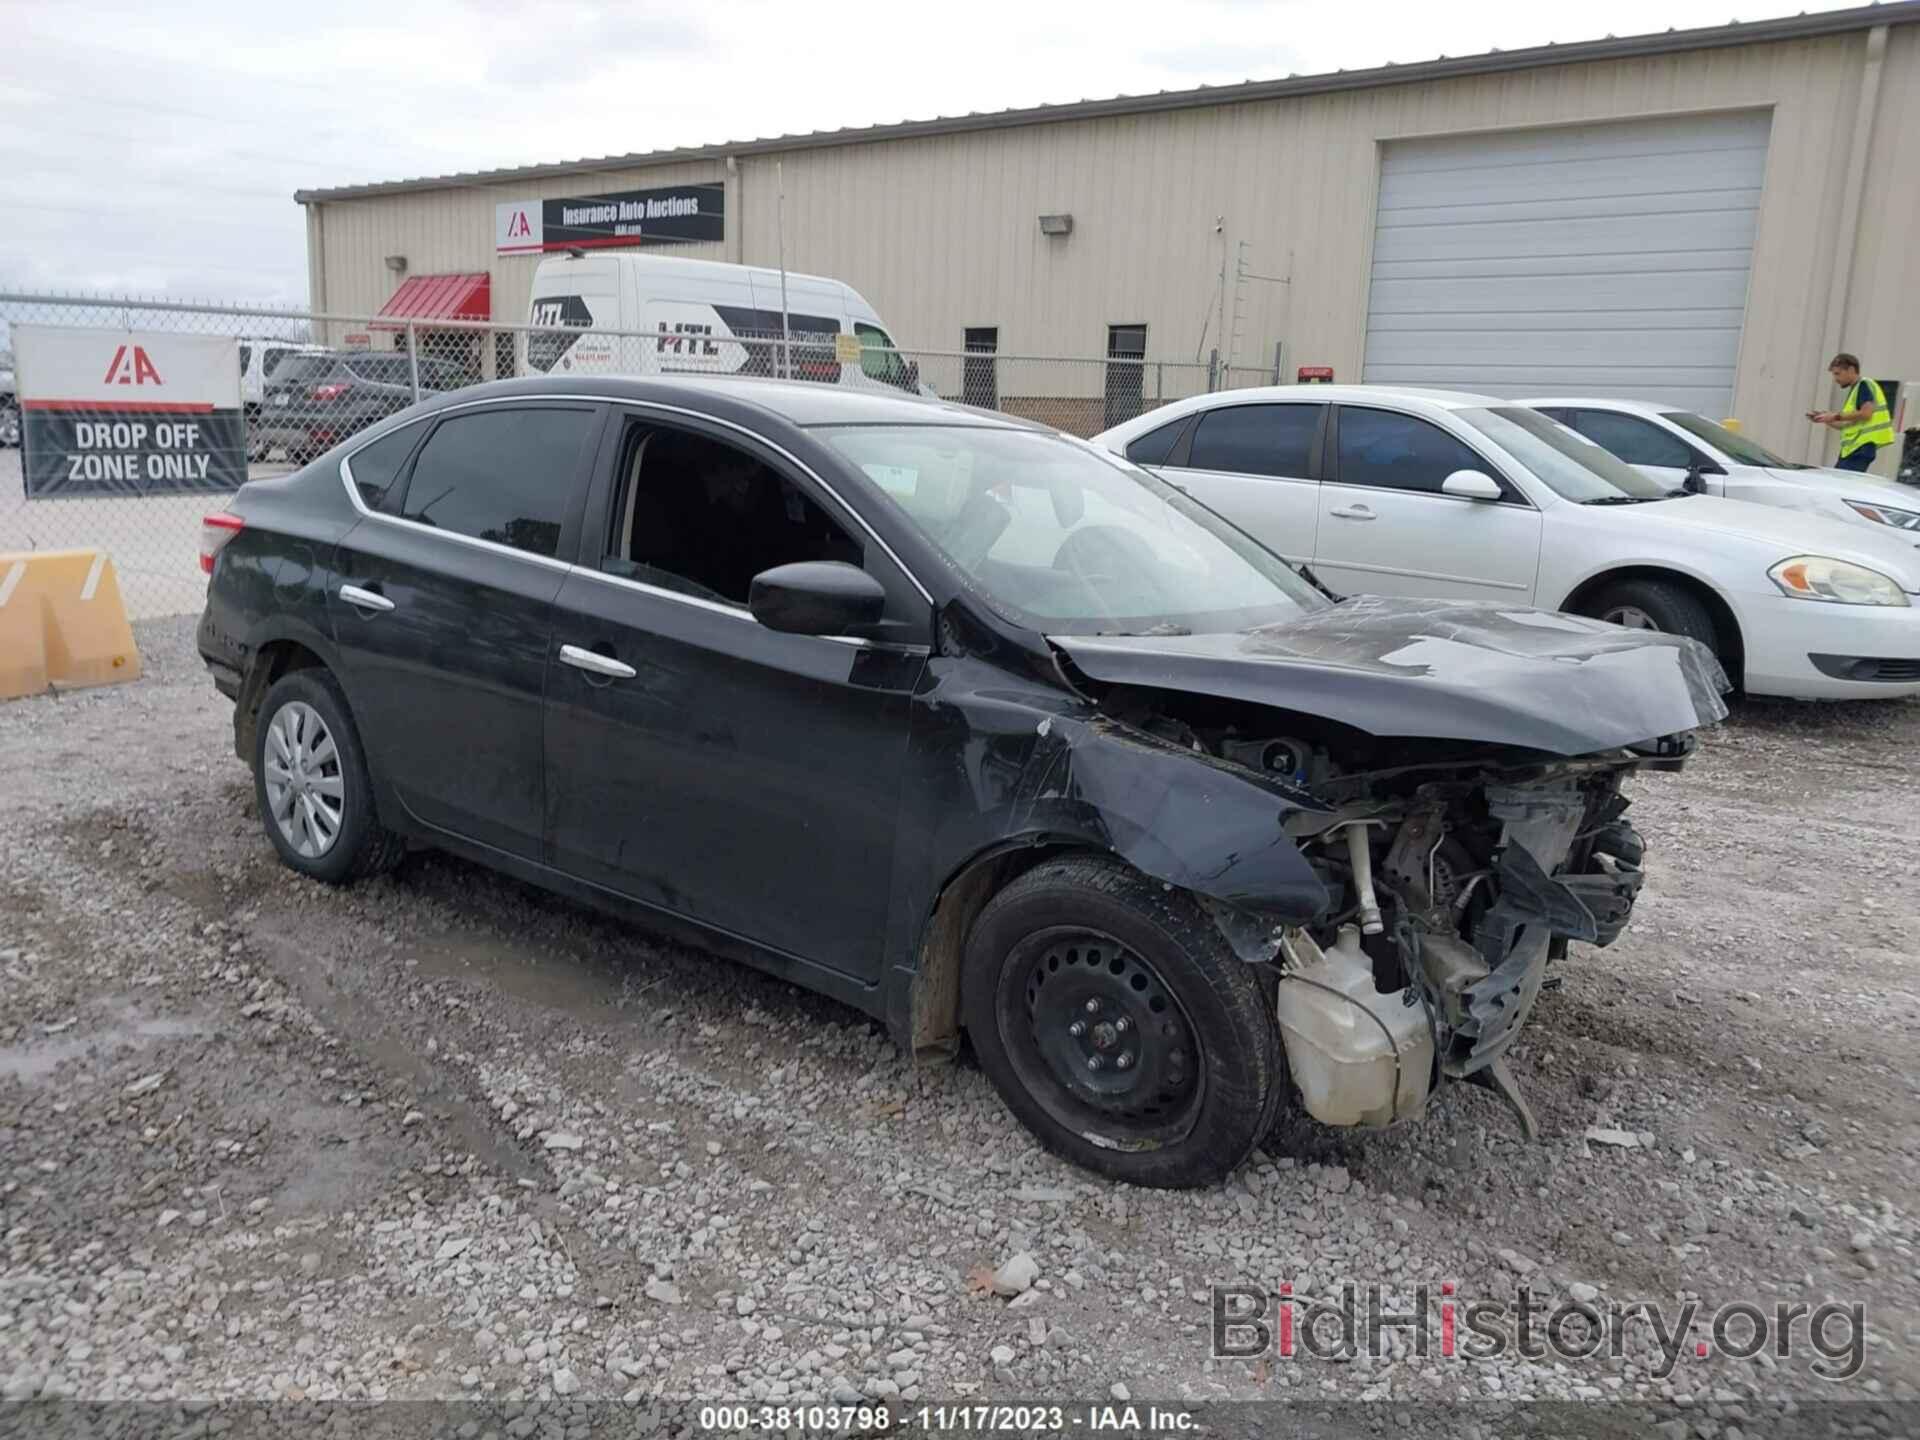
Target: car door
[1652, 449]
[442, 609]
[697, 761]
[1255, 464]
[1386, 528]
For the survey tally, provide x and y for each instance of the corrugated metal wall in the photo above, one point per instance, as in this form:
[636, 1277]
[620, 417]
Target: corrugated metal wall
[942, 233]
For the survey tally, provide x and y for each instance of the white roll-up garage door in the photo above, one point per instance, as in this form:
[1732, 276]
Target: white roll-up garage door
[1595, 259]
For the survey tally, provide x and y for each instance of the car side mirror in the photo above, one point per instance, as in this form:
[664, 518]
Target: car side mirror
[1696, 481]
[816, 597]
[1470, 485]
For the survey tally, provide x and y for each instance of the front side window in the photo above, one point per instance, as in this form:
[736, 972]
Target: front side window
[702, 518]
[246, 359]
[1257, 440]
[1568, 463]
[502, 475]
[1399, 452]
[1636, 441]
[1063, 538]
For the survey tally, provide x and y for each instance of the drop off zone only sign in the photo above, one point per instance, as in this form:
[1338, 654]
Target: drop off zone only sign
[127, 412]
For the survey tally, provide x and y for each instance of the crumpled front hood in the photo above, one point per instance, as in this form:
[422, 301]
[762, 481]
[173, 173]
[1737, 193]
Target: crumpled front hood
[1444, 669]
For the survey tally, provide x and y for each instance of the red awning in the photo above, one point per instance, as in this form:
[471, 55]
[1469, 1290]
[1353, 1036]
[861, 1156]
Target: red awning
[427, 298]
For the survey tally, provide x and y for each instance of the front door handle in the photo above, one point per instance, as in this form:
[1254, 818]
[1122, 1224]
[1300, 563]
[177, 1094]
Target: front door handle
[595, 663]
[365, 599]
[1353, 512]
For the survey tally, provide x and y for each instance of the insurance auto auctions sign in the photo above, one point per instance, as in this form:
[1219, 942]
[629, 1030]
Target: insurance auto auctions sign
[671, 215]
[128, 412]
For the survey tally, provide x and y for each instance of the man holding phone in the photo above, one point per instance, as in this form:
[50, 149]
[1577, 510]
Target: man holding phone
[1863, 420]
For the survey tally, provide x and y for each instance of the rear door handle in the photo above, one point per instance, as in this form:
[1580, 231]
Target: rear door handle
[365, 599]
[1354, 512]
[595, 663]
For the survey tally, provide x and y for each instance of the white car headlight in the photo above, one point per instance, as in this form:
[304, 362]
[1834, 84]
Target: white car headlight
[1815, 577]
[1886, 515]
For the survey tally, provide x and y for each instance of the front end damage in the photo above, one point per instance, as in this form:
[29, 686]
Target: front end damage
[1455, 872]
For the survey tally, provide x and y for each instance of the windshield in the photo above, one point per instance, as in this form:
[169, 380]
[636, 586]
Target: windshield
[1730, 443]
[1573, 466]
[1065, 539]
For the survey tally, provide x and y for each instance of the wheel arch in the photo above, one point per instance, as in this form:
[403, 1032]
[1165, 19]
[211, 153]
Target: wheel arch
[929, 996]
[279, 651]
[1726, 625]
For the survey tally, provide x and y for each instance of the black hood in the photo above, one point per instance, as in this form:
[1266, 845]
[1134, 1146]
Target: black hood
[1443, 669]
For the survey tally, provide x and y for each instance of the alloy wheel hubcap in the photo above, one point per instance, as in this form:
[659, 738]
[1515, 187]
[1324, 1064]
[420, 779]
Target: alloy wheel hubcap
[306, 792]
[1631, 616]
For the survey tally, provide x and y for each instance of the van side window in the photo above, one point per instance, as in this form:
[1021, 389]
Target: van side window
[880, 358]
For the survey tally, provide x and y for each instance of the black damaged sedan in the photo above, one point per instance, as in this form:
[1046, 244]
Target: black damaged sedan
[958, 720]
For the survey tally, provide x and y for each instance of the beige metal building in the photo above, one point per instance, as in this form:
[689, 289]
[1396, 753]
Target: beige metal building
[1701, 215]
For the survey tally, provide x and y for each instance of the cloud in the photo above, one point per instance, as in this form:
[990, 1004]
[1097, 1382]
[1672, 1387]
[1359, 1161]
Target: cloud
[156, 148]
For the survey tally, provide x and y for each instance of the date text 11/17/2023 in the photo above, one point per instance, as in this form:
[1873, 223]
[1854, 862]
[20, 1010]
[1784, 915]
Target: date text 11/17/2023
[880, 1416]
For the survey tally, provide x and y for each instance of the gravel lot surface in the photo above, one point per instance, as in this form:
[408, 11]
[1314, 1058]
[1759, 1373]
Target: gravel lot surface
[443, 1135]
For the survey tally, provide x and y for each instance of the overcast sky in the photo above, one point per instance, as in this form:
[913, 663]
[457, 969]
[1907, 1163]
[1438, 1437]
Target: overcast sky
[154, 148]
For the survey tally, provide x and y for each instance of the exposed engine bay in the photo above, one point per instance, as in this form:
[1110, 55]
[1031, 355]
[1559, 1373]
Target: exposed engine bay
[1456, 871]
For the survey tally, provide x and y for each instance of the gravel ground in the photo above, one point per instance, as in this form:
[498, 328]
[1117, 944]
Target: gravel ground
[442, 1135]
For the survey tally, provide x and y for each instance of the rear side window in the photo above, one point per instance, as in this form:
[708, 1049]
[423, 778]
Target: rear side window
[502, 475]
[271, 359]
[1156, 445]
[375, 467]
[1636, 441]
[384, 369]
[1257, 440]
[1399, 452]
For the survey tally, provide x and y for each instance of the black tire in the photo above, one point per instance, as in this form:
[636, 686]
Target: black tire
[1088, 924]
[1671, 609]
[9, 424]
[360, 845]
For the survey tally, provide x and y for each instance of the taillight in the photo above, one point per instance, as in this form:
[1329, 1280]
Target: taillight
[215, 533]
[327, 392]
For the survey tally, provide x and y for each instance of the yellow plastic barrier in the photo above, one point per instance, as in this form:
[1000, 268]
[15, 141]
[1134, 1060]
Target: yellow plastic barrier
[62, 622]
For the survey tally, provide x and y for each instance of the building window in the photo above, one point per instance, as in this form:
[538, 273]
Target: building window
[979, 382]
[1126, 365]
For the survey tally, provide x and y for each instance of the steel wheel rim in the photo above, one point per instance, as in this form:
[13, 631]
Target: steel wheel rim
[1149, 1101]
[1631, 616]
[306, 790]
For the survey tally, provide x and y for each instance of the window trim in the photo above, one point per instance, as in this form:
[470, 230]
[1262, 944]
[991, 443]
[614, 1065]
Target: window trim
[611, 406]
[1316, 448]
[620, 411]
[1511, 491]
[551, 562]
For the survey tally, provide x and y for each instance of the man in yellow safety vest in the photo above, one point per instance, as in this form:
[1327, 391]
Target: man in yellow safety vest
[1863, 419]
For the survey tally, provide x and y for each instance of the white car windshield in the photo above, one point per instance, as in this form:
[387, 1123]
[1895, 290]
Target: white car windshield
[1572, 465]
[1063, 538]
[1736, 447]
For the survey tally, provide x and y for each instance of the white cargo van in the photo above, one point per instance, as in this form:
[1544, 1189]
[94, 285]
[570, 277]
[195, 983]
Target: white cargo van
[658, 315]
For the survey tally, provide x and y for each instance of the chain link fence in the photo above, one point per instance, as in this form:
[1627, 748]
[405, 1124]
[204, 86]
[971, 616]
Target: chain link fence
[111, 450]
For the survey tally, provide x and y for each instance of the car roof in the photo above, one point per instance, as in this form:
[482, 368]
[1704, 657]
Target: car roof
[797, 402]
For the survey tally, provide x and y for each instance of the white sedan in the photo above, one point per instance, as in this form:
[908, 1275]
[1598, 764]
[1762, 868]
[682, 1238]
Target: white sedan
[1439, 493]
[1682, 448]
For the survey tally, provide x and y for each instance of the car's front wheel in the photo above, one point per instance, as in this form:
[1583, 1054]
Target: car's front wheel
[311, 784]
[9, 425]
[1119, 1026]
[1655, 605]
